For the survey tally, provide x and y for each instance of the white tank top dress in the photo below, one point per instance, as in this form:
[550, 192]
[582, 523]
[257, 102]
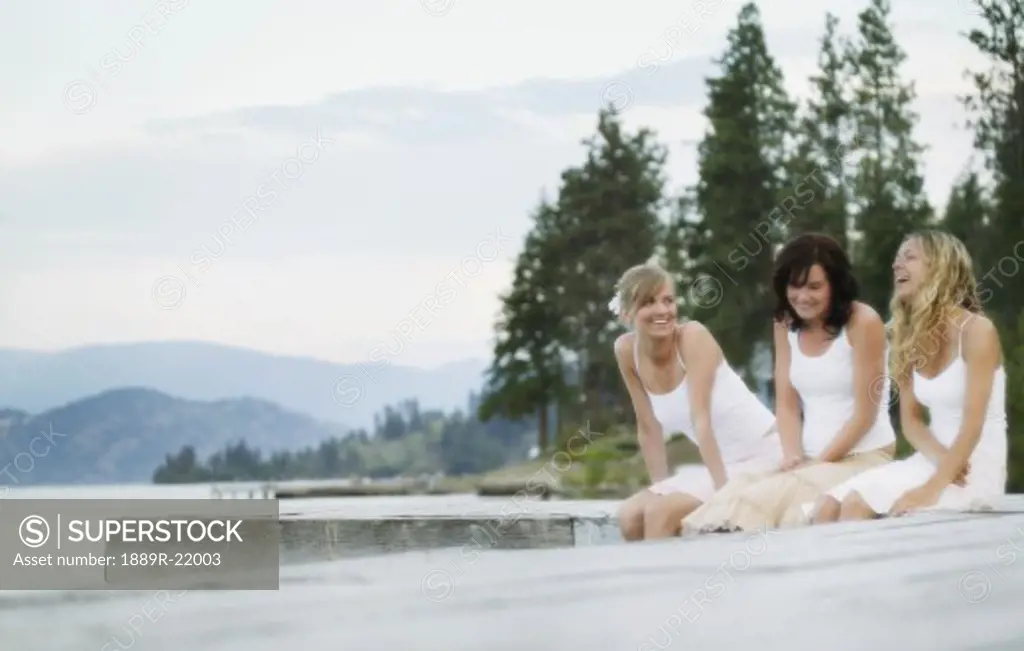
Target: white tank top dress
[825, 385]
[943, 395]
[742, 425]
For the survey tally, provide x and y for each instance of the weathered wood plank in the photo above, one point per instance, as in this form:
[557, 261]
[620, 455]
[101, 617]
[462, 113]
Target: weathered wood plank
[309, 540]
[458, 506]
[319, 530]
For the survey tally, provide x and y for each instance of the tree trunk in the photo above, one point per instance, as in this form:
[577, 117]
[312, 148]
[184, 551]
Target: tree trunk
[542, 430]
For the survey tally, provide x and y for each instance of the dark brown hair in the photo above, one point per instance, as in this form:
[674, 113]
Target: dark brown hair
[792, 267]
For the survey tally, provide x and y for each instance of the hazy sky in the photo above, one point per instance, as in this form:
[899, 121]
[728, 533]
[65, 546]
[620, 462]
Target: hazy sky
[299, 177]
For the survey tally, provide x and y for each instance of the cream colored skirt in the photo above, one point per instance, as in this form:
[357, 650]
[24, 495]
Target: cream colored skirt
[776, 499]
[764, 457]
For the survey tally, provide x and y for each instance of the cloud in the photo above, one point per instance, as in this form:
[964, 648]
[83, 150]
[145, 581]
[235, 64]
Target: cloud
[414, 174]
[421, 116]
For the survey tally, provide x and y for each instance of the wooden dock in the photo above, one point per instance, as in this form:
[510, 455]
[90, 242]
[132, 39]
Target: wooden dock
[932, 582]
[314, 530]
[328, 488]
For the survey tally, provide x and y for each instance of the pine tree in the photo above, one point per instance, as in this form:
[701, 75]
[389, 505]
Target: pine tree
[1013, 351]
[610, 212]
[967, 217]
[556, 334]
[888, 188]
[819, 170]
[682, 239]
[997, 117]
[738, 220]
[527, 375]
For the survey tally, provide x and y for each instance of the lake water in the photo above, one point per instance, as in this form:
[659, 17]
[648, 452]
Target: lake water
[125, 491]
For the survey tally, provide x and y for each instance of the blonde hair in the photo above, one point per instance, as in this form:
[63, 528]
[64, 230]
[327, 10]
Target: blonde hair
[926, 317]
[640, 284]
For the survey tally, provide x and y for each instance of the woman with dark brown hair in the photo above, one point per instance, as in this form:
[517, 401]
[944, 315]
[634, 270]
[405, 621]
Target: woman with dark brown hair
[830, 407]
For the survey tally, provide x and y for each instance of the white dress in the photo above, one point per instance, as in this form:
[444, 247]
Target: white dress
[827, 396]
[743, 427]
[943, 395]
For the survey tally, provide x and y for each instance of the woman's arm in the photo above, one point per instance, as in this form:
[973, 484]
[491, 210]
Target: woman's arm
[702, 355]
[788, 415]
[982, 354]
[648, 430]
[867, 337]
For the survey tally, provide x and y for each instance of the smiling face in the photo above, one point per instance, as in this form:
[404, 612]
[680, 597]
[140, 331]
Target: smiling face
[812, 298]
[655, 315]
[909, 269]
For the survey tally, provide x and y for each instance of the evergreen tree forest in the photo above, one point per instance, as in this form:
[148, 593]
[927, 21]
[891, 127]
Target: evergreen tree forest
[405, 441]
[843, 159]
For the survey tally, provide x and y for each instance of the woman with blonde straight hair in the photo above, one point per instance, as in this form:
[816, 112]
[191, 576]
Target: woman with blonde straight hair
[946, 356]
[679, 381]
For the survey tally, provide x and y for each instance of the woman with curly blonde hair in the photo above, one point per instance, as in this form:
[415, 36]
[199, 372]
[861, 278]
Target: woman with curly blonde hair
[945, 356]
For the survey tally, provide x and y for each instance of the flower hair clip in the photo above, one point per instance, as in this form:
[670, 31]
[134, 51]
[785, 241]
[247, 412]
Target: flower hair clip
[615, 305]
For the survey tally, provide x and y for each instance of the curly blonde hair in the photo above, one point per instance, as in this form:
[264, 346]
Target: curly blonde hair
[918, 326]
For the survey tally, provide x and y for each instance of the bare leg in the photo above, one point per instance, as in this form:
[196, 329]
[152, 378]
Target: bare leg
[827, 509]
[663, 517]
[631, 515]
[855, 508]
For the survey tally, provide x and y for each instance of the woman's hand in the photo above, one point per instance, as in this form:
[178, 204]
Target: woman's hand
[961, 479]
[791, 462]
[916, 498]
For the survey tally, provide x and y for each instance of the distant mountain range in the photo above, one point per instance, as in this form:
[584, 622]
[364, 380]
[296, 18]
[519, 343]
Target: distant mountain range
[349, 394]
[123, 435]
